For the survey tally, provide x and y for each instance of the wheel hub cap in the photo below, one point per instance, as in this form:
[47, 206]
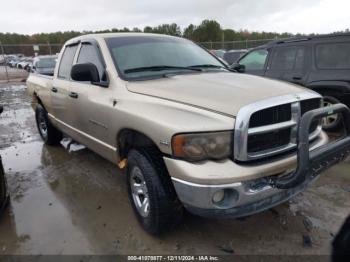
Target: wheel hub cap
[139, 192]
[329, 120]
[42, 125]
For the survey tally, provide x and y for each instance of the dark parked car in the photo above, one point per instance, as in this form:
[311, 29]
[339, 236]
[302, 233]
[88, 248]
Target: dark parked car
[44, 65]
[232, 56]
[3, 185]
[341, 243]
[321, 63]
[218, 53]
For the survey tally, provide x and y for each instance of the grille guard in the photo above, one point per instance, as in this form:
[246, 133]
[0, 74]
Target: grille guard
[312, 163]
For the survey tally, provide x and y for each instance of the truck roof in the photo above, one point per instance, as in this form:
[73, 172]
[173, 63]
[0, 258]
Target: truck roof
[302, 39]
[110, 35]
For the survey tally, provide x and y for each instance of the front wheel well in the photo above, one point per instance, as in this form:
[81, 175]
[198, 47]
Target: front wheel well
[128, 139]
[332, 91]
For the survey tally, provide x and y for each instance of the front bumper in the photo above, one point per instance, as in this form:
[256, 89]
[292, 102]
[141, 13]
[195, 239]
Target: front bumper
[246, 198]
[252, 196]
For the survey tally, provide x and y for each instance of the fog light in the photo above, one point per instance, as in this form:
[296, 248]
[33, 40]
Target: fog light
[218, 196]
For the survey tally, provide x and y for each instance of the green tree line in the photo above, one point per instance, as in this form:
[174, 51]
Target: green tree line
[206, 31]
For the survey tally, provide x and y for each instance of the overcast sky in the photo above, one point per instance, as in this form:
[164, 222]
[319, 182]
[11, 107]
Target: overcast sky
[295, 16]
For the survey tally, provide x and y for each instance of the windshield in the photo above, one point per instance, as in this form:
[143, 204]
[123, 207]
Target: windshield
[46, 63]
[146, 56]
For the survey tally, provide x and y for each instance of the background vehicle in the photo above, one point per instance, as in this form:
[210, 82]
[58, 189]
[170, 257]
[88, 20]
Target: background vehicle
[3, 185]
[44, 65]
[13, 62]
[321, 63]
[218, 53]
[24, 63]
[189, 132]
[341, 242]
[232, 56]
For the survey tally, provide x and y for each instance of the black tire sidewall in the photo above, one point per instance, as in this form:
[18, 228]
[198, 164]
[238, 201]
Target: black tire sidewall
[3, 188]
[162, 215]
[137, 159]
[53, 136]
[41, 111]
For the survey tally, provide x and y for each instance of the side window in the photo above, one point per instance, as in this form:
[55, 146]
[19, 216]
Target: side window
[333, 55]
[288, 58]
[254, 60]
[66, 62]
[88, 54]
[300, 59]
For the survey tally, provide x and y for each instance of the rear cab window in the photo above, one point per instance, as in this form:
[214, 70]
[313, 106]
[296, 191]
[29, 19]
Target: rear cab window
[67, 61]
[333, 55]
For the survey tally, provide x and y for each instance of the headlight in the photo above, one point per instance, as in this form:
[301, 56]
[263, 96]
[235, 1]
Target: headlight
[202, 146]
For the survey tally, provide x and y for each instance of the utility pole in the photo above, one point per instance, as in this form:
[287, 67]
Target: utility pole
[5, 61]
[223, 40]
[50, 51]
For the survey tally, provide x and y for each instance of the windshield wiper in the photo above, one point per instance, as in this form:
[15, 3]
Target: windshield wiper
[208, 66]
[159, 68]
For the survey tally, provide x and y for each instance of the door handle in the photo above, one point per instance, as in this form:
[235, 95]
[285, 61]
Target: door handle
[54, 89]
[297, 77]
[73, 95]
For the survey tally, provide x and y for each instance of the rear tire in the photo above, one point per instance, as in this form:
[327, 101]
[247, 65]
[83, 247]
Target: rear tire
[3, 188]
[334, 122]
[151, 192]
[50, 134]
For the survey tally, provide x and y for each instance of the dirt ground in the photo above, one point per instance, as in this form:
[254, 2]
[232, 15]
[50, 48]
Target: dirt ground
[76, 203]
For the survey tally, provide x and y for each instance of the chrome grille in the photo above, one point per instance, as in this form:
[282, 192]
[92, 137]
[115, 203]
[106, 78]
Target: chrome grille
[269, 116]
[270, 127]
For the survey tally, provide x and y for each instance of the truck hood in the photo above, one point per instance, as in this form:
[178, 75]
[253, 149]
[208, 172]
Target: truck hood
[223, 92]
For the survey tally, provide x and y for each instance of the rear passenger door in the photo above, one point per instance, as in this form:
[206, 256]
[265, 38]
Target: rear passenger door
[61, 85]
[91, 104]
[289, 63]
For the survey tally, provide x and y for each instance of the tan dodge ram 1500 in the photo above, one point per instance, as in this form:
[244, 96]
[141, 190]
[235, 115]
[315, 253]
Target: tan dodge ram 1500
[190, 132]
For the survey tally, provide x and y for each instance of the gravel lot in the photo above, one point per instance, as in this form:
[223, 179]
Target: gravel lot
[76, 203]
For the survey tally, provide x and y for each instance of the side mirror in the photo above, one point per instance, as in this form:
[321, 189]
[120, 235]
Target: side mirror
[85, 72]
[238, 67]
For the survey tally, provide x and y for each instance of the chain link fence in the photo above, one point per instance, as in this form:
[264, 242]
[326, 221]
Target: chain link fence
[14, 71]
[11, 56]
[235, 45]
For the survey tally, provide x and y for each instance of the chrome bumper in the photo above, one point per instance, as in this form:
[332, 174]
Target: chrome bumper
[241, 199]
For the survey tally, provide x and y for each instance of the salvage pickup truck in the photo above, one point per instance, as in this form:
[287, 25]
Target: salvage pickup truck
[190, 132]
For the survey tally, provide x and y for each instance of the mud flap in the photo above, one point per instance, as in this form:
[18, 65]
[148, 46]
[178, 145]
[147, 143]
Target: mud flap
[312, 163]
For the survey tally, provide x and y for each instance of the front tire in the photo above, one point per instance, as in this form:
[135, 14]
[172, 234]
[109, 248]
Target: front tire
[47, 131]
[151, 192]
